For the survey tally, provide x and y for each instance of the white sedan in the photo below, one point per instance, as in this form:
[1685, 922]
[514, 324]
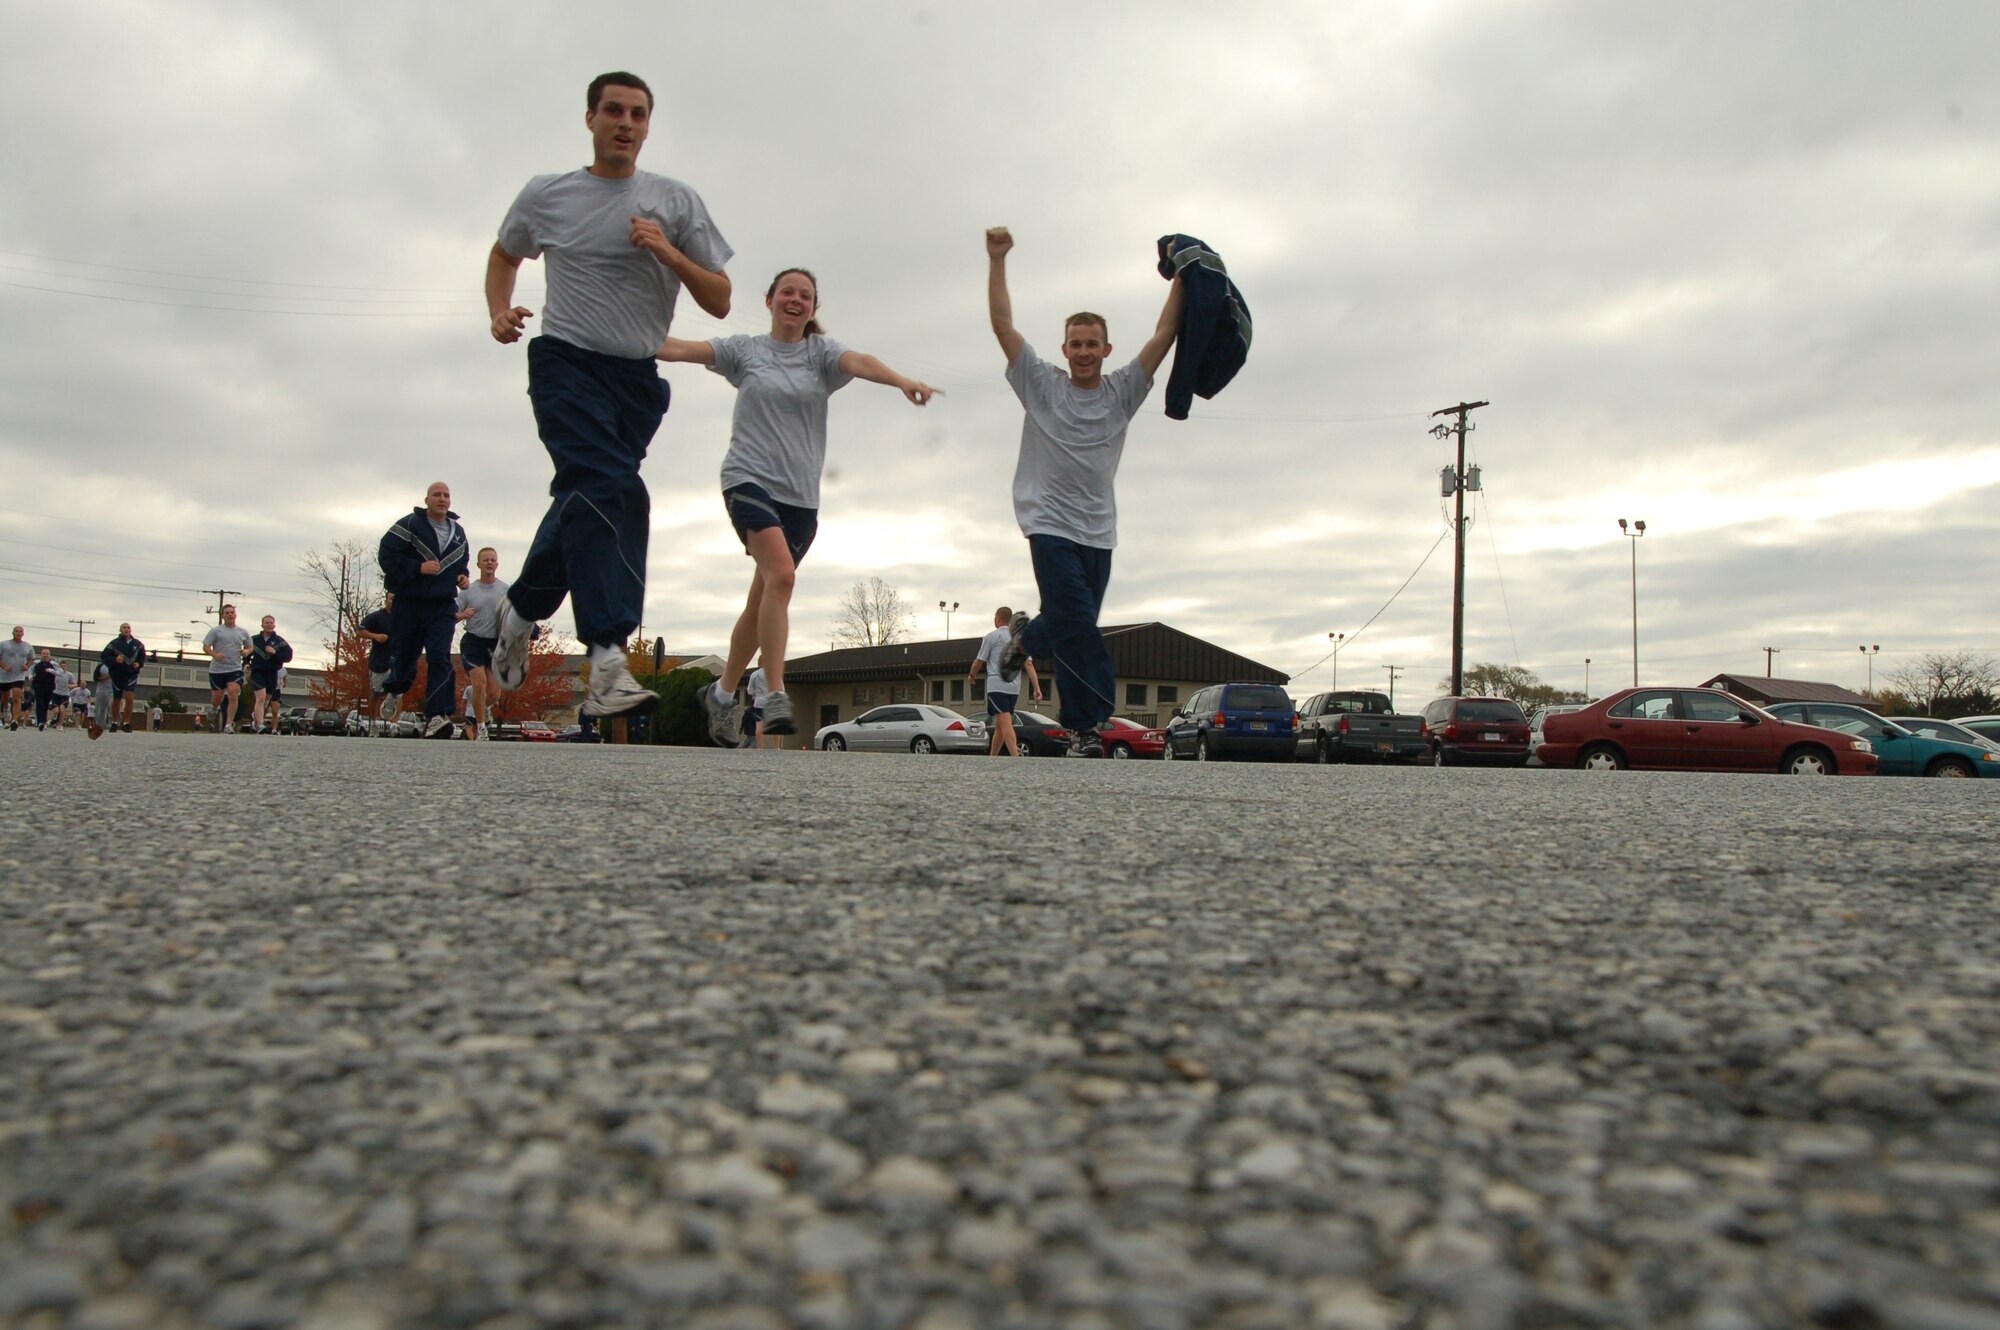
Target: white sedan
[905, 727]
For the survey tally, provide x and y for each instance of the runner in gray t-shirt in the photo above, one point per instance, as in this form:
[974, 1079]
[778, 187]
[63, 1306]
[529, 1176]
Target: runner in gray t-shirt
[1072, 438]
[770, 476]
[620, 243]
[226, 645]
[15, 658]
[1002, 694]
[479, 610]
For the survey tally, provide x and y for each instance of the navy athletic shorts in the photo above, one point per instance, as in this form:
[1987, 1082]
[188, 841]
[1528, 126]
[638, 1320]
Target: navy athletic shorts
[476, 651]
[218, 682]
[1001, 704]
[751, 508]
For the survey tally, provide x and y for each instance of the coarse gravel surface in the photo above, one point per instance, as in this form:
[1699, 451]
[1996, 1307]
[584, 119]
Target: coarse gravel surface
[355, 1035]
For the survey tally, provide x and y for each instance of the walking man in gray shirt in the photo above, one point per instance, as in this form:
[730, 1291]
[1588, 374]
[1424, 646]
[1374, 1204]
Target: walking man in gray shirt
[620, 244]
[1072, 437]
[15, 658]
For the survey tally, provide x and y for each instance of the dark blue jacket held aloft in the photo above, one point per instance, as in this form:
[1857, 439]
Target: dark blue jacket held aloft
[409, 544]
[1214, 336]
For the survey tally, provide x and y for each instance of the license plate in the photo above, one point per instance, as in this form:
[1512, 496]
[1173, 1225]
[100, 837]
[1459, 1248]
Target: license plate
[1259, 725]
[1491, 736]
[1385, 748]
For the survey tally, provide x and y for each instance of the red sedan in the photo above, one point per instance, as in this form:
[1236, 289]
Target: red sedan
[1696, 729]
[1124, 738]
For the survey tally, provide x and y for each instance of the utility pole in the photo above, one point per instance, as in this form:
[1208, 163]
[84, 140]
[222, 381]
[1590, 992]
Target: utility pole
[340, 632]
[1457, 483]
[1768, 653]
[80, 625]
[1394, 670]
[1338, 639]
[222, 595]
[1586, 678]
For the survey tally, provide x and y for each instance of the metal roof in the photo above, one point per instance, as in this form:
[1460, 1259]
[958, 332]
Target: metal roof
[1138, 651]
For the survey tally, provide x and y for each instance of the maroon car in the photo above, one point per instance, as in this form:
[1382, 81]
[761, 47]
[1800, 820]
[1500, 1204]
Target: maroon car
[1696, 729]
[1125, 738]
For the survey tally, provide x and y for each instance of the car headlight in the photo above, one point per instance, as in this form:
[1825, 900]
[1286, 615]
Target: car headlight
[1989, 757]
[1861, 746]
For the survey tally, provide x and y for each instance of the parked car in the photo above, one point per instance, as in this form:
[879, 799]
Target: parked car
[1225, 720]
[536, 731]
[1040, 735]
[1357, 726]
[1901, 746]
[912, 727]
[1697, 729]
[1535, 726]
[1490, 731]
[1986, 727]
[577, 734]
[1956, 731]
[326, 721]
[1127, 739]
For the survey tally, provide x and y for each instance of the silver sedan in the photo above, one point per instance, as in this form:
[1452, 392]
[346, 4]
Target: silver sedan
[905, 728]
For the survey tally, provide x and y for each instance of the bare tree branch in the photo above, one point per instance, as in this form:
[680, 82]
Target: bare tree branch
[871, 614]
[322, 569]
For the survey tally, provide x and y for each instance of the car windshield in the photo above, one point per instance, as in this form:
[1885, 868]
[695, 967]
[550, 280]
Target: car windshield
[1489, 709]
[1258, 699]
[1941, 729]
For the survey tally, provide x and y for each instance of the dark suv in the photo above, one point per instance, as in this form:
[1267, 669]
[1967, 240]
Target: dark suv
[1484, 730]
[1235, 720]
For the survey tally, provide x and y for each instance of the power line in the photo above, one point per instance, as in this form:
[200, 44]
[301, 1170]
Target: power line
[241, 309]
[204, 277]
[1349, 641]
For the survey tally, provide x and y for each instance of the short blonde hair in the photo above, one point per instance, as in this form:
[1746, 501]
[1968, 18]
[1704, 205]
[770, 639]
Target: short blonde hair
[1085, 316]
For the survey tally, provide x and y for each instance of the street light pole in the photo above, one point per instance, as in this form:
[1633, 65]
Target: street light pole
[1868, 653]
[1633, 533]
[1336, 639]
[947, 609]
[1586, 678]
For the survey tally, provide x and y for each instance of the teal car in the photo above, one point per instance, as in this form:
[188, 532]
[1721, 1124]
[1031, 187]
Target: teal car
[1902, 751]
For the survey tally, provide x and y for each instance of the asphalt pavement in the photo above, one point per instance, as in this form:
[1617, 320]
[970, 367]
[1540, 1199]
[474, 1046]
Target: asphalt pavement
[352, 1035]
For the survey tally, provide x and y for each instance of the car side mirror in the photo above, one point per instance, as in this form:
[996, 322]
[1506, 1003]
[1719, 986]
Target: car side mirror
[1752, 718]
[1888, 733]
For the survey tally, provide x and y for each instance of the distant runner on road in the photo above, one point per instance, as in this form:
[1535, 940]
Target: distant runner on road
[226, 645]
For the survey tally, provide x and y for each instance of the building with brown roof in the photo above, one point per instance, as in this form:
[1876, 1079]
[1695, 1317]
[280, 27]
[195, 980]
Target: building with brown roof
[1158, 668]
[1764, 692]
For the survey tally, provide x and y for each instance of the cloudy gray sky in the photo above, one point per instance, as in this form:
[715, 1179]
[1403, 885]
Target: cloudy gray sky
[1728, 268]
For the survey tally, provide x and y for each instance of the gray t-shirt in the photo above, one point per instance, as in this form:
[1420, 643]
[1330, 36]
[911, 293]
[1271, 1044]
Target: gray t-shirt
[15, 658]
[605, 294]
[1071, 440]
[777, 438]
[990, 650]
[483, 599]
[232, 641]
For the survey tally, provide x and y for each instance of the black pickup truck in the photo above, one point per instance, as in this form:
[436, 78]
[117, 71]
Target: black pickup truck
[1355, 727]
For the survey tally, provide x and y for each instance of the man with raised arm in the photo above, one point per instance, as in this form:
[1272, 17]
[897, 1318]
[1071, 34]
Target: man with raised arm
[620, 244]
[1072, 437]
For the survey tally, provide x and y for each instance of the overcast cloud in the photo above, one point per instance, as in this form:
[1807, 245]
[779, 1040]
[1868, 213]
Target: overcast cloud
[1727, 268]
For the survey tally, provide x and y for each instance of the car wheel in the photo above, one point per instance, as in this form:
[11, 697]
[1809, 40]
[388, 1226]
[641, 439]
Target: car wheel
[1600, 757]
[923, 743]
[1323, 751]
[1438, 758]
[1808, 762]
[1167, 751]
[1951, 767]
[1121, 751]
[1204, 751]
[834, 744]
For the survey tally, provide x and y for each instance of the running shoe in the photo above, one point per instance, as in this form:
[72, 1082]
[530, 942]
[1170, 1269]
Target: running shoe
[95, 730]
[1085, 743]
[390, 705]
[510, 651]
[229, 729]
[778, 714]
[725, 719]
[1015, 655]
[438, 727]
[613, 690]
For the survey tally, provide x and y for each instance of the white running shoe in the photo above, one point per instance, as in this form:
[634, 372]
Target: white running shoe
[613, 690]
[438, 727]
[510, 649]
[778, 714]
[725, 719]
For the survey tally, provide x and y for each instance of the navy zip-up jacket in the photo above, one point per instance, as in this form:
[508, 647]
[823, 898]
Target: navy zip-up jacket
[131, 648]
[1213, 340]
[268, 654]
[405, 548]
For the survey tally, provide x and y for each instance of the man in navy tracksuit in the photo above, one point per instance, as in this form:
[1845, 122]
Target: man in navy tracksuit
[424, 558]
[126, 655]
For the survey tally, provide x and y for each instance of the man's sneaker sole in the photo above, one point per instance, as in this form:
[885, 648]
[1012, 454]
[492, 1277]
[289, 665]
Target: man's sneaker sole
[1014, 656]
[639, 702]
[438, 727]
[778, 715]
[510, 648]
